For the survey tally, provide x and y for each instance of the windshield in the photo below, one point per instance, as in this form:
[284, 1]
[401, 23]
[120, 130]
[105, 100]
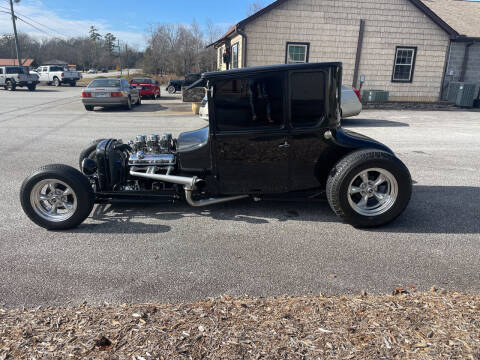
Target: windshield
[192, 140]
[144, 81]
[104, 83]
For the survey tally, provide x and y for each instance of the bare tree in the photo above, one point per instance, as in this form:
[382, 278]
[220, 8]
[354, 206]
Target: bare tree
[254, 7]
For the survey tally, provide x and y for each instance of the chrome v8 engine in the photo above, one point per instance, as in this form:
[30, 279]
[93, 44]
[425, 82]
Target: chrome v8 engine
[152, 150]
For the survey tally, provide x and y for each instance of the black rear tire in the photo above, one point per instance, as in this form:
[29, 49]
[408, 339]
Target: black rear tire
[129, 104]
[139, 102]
[171, 89]
[89, 107]
[10, 85]
[78, 183]
[88, 152]
[347, 169]
[56, 82]
[32, 87]
[73, 84]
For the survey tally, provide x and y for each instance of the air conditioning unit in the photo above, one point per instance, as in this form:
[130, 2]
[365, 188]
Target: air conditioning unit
[453, 91]
[466, 95]
[375, 96]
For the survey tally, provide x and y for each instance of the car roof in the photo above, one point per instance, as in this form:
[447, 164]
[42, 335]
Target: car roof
[269, 68]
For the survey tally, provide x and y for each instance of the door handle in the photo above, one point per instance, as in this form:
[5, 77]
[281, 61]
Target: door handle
[284, 145]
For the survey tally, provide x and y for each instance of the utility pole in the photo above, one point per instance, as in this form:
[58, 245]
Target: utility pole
[15, 31]
[126, 54]
[119, 56]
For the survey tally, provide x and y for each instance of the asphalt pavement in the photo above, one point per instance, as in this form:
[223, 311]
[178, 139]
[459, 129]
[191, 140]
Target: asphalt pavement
[171, 253]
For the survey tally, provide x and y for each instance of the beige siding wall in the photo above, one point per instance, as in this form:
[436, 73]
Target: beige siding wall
[332, 27]
[234, 40]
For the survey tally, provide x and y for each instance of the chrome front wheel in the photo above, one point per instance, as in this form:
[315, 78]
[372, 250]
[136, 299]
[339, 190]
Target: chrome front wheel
[372, 192]
[53, 200]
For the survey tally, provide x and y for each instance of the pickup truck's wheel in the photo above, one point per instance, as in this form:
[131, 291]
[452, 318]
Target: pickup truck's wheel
[32, 87]
[56, 82]
[369, 188]
[89, 107]
[88, 152]
[10, 85]
[171, 89]
[73, 84]
[57, 197]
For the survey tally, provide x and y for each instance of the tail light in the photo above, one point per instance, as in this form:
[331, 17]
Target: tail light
[86, 94]
[62, 75]
[358, 94]
[116, 94]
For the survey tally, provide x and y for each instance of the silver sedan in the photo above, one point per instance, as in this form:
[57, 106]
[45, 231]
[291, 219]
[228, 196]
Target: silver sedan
[351, 104]
[110, 92]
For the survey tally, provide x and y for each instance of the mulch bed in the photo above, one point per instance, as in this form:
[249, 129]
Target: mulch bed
[406, 324]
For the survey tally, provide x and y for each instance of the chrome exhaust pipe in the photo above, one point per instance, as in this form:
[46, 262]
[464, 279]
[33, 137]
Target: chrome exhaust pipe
[188, 185]
[181, 180]
[206, 202]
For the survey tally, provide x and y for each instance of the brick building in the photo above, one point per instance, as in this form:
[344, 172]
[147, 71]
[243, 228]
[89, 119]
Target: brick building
[411, 48]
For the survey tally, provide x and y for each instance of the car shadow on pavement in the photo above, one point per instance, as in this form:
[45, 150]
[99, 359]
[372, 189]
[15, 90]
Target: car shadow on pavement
[372, 123]
[439, 210]
[37, 90]
[146, 218]
[141, 108]
[432, 210]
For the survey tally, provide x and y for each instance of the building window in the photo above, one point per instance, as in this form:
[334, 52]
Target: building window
[404, 64]
[235, 56]
[220, 59]
[297, 53]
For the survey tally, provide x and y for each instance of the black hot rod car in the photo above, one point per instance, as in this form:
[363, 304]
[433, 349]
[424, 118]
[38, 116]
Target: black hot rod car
[272, 130]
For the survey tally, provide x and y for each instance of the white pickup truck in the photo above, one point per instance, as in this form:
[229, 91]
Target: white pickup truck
[57, 75]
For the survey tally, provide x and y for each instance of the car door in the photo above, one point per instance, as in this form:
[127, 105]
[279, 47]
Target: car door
[307, 111]
[249, 142]
[2, 77]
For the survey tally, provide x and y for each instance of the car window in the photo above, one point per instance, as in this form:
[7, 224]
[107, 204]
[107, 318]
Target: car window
[14, 70]
[307, 101]
[104, 83]
[56, 68]
[1, 71]
[244, 104]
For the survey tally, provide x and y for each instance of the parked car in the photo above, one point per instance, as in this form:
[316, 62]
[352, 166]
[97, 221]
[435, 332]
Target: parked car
[176, 85]
[92, 71]
[104, 70]
[272, 130]
[148, 87]
[57, 75]
[110, 92]
[350, 103]
[12, 77]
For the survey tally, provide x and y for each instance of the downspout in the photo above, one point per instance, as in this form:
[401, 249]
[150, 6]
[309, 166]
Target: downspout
[244, 45]
[465, 61]
[445, 68]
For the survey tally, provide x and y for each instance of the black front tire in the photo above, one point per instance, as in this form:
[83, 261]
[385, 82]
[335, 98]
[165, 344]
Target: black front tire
[171, 89]
[32, 87]
[139, 102]
[88, 152]
[79, 184]
[341, 198]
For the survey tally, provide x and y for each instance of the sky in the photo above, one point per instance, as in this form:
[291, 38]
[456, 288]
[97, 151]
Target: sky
[128, 20]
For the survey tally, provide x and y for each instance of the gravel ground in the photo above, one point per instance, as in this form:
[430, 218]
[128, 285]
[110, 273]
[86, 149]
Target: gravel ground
[407, 326]
[170, 254]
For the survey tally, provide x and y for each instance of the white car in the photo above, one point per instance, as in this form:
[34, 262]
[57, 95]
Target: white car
[351, 104]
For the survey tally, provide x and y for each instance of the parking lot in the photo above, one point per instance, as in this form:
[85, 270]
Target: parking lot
[138, 253]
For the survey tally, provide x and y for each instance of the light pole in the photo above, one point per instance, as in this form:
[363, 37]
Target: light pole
[15, 31]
